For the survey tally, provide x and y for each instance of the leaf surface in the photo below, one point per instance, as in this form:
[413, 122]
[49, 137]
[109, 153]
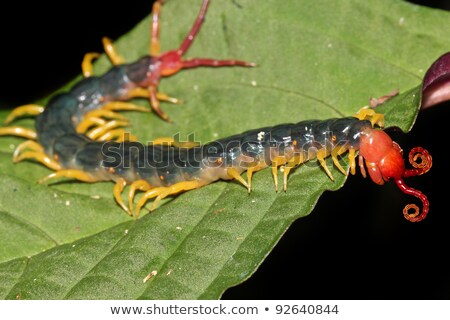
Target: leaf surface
[316, 60]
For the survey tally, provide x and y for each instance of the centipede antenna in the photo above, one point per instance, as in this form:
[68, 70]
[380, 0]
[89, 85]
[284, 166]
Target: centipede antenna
[195, 29]
[155, 47]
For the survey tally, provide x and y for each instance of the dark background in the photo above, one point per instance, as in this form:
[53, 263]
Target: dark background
[354, 245]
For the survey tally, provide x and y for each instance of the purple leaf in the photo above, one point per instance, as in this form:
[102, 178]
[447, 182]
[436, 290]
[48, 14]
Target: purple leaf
[436, 83]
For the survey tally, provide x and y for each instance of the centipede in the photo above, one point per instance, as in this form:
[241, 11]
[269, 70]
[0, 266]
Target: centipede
[79, 135]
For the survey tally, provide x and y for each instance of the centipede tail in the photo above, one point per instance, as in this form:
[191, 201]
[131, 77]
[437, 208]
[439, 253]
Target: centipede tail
[416, 216]
[384, 159]
[419, 167]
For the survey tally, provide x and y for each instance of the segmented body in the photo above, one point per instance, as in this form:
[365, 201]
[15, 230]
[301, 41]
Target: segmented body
[65, 111]
[163, 166]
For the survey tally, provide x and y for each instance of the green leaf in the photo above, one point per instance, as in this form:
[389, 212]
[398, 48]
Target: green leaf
[316, 60]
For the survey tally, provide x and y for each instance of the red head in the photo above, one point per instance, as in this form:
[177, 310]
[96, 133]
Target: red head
[384, 161]
[171, 63]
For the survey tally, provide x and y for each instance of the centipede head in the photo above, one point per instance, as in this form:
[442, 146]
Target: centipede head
[384, 161]
[170, 63]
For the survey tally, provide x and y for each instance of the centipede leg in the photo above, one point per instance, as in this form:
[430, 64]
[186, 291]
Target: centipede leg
[295, 161]
[111, 51]
[371, 115]
[352, 160]
[168, 141]
[36, 152]
[154, 97]
[120, 135]
[88, 122]
[140, 185]
[124, 106]
[361, 166]
[69, 173]
[29, 144]
[250, 172]
[154, 103]
[101, 130]
[143, 93]
[95, 118]
[162, 192]
[234, 174]
[321, 155]
[105, 130]
[276, 162]
[19, 132]
[117, 192]
[86, 64]
[335, 153]
[29, 109]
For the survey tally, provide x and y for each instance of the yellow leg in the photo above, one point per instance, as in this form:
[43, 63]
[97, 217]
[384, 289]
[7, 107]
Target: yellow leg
[138, 93]
[371, 115]
[95, 118]
[295, 161]
[276, 162]
[86, 123]
[101, 130]
[117, 192]
[321, 155]
[39, 156]
[141, 185]
[143, 93]
[250, 172]
[172, 142]
[86, 64]
[234, 174]
[19, 132]
[162, 192]
[154, 103]
[165, 97]
[120, 134]
[29, 144]
[124, 106]
[36, 151]
[69, 173]
[106, 114]
[334, 155]
[28, 109]
[111, 51]
[155, 48]
[168, 141]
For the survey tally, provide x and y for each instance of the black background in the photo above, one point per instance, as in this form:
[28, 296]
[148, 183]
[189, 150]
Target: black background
[354, 245]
